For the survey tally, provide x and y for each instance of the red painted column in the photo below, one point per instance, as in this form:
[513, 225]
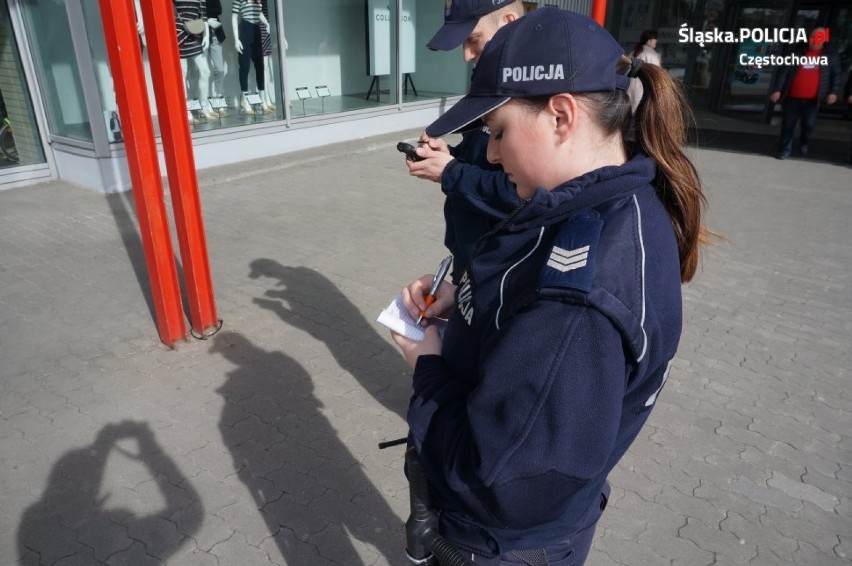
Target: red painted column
[170, 94]
[125, 58]
[599, 11]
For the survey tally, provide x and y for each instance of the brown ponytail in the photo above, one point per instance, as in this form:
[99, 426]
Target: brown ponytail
[661, 122]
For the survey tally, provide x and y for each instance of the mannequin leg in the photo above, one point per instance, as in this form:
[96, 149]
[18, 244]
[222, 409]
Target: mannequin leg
[259, 76]
[248, 32]
[269, 91]
[217, 70]
[203, 68]
[217, 67]
[184, 67]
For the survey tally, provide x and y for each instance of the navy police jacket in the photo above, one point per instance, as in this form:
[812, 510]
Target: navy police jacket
[561, 338]
[479, 194]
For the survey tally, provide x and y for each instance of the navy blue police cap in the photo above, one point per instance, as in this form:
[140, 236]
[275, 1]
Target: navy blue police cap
[548, 51]
[460, 17]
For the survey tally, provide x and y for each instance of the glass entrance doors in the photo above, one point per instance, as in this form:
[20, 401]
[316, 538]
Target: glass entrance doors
[743, 86]
[732, 85]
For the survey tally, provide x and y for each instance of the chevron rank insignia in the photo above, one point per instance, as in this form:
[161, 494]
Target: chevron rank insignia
[566, 260]
[571, 261]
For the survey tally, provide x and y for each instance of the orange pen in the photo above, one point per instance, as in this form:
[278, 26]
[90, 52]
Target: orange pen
[436, 282]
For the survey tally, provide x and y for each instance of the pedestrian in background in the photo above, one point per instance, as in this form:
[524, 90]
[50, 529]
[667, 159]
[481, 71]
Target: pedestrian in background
[478, 193]
[563, 330]
[803, 88]
[646, 51]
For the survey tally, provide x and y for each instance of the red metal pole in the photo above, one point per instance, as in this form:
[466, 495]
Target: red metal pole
[180, 160]
[125, 58]
[599, 11]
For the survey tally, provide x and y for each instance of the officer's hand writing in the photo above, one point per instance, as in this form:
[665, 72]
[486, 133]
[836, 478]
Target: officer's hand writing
[411, 349]
[414, 297]
[775, 97]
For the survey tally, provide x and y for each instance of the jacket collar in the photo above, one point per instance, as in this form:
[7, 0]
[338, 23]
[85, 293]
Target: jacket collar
[589, 190]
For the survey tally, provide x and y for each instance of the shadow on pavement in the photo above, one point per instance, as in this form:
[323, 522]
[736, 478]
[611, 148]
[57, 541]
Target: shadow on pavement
[124, 216]
[123, 211]
[308, 300]
[310, 489]
[74, 519]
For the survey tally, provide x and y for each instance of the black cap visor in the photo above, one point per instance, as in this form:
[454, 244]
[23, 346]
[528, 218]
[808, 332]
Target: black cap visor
[451, 35]
[465, 115]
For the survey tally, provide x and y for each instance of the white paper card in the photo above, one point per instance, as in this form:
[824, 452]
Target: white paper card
[217, 102]
[396, 317]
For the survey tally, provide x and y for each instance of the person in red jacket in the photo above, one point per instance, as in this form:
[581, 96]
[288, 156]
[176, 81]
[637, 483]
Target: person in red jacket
[803, 88]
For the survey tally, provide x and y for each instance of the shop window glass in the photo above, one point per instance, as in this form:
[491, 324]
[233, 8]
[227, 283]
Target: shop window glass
[636, 16]
[56, 67]
[704, 59]
[673, 53]
[425, 73]
[224, 88]
[746, 86]
[341, 55]
[19, 140]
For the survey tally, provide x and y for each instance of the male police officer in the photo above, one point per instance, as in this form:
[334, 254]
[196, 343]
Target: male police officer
[479, 194]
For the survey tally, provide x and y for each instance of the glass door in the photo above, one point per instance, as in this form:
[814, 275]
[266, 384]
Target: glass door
[745, 87]
[20, 143]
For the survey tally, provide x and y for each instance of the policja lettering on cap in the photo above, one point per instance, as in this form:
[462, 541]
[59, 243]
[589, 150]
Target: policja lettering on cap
[548, 51]
[526, 74]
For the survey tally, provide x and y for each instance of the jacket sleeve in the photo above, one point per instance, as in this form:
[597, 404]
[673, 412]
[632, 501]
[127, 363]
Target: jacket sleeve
[780, 79]
[487, 192]
[471, 182]
[542, 421]
[835, 74]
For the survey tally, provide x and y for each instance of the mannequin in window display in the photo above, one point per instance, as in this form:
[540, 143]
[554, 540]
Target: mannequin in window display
[217, 37]
[247, 19]
[191, 48]
[140, 26]
[268, 71]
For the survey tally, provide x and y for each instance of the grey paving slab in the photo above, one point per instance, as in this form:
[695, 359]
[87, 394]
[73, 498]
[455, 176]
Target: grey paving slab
[258, 446]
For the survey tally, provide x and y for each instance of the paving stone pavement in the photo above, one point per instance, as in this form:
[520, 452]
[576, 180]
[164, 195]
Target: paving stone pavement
[258, 446]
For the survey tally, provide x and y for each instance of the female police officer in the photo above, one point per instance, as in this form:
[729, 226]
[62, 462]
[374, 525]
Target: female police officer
[563, 328]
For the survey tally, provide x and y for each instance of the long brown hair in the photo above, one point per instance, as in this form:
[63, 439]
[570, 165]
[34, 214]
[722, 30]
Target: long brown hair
[661, 122]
